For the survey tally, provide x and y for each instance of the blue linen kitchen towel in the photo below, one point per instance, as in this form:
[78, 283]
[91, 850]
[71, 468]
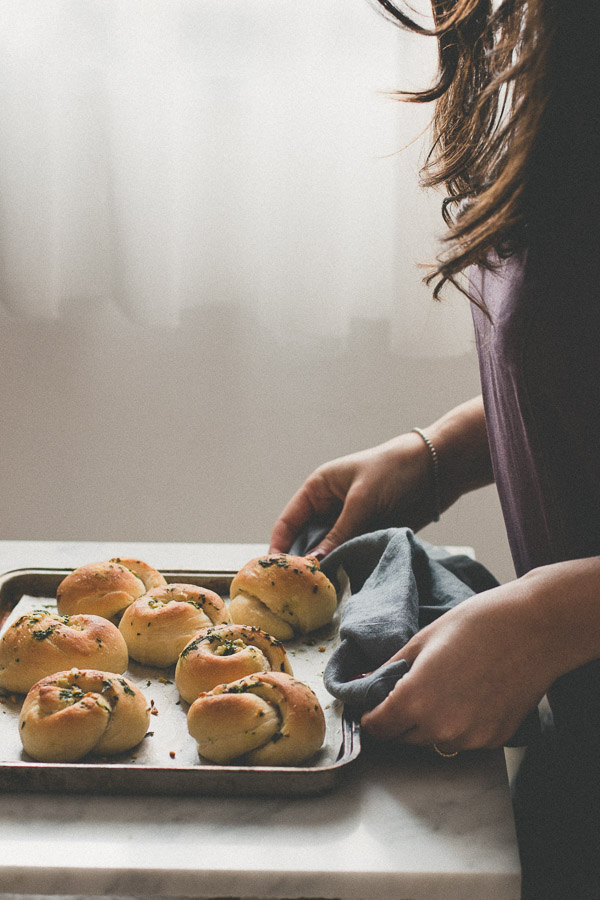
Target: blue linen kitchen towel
[399, 583]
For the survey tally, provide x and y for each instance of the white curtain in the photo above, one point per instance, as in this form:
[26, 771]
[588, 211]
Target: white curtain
[162, 155]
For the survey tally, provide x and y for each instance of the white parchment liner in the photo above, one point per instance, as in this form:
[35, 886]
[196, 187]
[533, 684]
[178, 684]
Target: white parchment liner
[168, 742]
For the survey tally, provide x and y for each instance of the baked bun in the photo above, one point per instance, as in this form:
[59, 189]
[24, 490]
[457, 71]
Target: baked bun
[158, 626]
[69, 714]
[41, 642]
[282, 594]
[226, 653]
[269, 719]
[106, 588]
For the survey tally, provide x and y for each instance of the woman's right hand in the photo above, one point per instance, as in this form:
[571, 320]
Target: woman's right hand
[385, 486]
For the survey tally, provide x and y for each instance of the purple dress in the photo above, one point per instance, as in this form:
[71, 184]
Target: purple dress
[539, 357]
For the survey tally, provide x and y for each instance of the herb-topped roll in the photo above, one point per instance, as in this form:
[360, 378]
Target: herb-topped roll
[227, 653]
[70, 714]
[106, 588]
[270, 719]
[158, 626]
[42, 642]
[282, 594]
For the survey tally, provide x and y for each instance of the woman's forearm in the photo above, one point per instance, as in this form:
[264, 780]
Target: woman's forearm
[461, 442]
[564, 605]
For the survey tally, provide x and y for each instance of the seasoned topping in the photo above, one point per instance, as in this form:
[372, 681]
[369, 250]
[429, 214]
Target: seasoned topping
[239, 688]
[279, 561]
[190, 647]
[228, 648]
[126, 688]
[158, 602]
[41, 635]
[71, 694]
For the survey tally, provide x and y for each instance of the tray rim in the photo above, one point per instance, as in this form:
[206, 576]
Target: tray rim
[204, 779]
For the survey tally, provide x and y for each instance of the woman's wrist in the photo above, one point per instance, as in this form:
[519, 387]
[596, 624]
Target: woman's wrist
[436, 498]
[459, 439]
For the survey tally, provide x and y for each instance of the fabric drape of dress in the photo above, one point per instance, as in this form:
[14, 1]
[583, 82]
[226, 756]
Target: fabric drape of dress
[170, 154]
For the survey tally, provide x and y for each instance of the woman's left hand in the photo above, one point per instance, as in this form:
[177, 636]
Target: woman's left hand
[475, 674]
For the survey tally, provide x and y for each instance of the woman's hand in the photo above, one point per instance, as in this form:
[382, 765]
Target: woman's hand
[475, 673]
[382, 487]
[391, 484]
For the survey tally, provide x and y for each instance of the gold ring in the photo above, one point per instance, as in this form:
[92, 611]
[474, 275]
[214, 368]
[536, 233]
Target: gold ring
[445, 755]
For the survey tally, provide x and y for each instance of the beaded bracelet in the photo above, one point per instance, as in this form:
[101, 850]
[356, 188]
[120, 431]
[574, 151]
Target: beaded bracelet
[435, 471]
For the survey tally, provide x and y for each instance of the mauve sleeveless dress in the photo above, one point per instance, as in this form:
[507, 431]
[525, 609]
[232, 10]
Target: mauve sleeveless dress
[539, 358]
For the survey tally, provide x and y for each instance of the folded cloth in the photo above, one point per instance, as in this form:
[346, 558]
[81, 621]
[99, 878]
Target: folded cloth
[399, 583]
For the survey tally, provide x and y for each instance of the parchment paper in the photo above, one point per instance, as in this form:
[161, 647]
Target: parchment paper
[168, 742]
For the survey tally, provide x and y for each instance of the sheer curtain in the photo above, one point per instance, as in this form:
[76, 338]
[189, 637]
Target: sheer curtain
[162, 155]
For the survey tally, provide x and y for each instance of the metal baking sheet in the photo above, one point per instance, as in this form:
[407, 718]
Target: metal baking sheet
[167, 761]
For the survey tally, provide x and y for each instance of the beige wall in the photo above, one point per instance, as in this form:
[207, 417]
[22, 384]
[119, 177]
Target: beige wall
[113, 431]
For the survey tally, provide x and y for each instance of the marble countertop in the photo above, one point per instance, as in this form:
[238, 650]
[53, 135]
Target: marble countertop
[401, 823]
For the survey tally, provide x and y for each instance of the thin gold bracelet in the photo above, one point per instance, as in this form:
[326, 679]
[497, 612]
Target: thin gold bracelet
[435, 468]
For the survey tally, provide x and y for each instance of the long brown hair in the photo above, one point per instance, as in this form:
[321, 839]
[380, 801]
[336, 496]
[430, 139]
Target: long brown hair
[507, 128]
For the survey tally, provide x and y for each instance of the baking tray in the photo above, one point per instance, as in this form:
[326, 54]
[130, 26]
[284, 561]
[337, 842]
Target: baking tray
[156, 769]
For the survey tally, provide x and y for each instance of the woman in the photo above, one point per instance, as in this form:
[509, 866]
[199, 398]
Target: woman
[517, 148]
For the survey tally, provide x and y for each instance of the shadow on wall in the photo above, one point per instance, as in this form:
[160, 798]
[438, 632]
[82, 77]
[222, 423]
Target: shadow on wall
[113, 431]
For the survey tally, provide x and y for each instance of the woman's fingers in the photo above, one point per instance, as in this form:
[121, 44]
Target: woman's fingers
[306, 503]
[389, 720]
[320, 496]
[350, 522]
[289, 524]
[402, 718]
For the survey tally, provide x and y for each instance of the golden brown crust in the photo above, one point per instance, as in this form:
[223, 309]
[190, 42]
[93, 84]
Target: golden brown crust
[42, 642]
[69, 714]
[157, 626]
[226, 653]
[271, 719]
[286, 595]
[106, 588]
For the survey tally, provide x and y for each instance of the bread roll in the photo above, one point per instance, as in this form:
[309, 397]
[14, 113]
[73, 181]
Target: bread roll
[43, 642]
[106, 588]
[226, 653]
[158, 626]
[269, 719]
[69, 714]
[282, 594]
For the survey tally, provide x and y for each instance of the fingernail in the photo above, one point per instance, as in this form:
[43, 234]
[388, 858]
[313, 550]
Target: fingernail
[319, 553]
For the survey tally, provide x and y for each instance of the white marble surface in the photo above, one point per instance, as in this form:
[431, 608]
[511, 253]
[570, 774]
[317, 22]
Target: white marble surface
[401, 825]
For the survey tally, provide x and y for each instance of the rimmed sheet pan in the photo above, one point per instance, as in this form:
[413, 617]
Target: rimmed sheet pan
[167, 762]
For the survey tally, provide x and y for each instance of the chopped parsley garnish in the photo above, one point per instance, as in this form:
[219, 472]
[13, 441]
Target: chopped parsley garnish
[239, 688]
[279, 561]
[41, 635]
[228, 647]
[126, 688]
[71, 694]
[190, 647]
